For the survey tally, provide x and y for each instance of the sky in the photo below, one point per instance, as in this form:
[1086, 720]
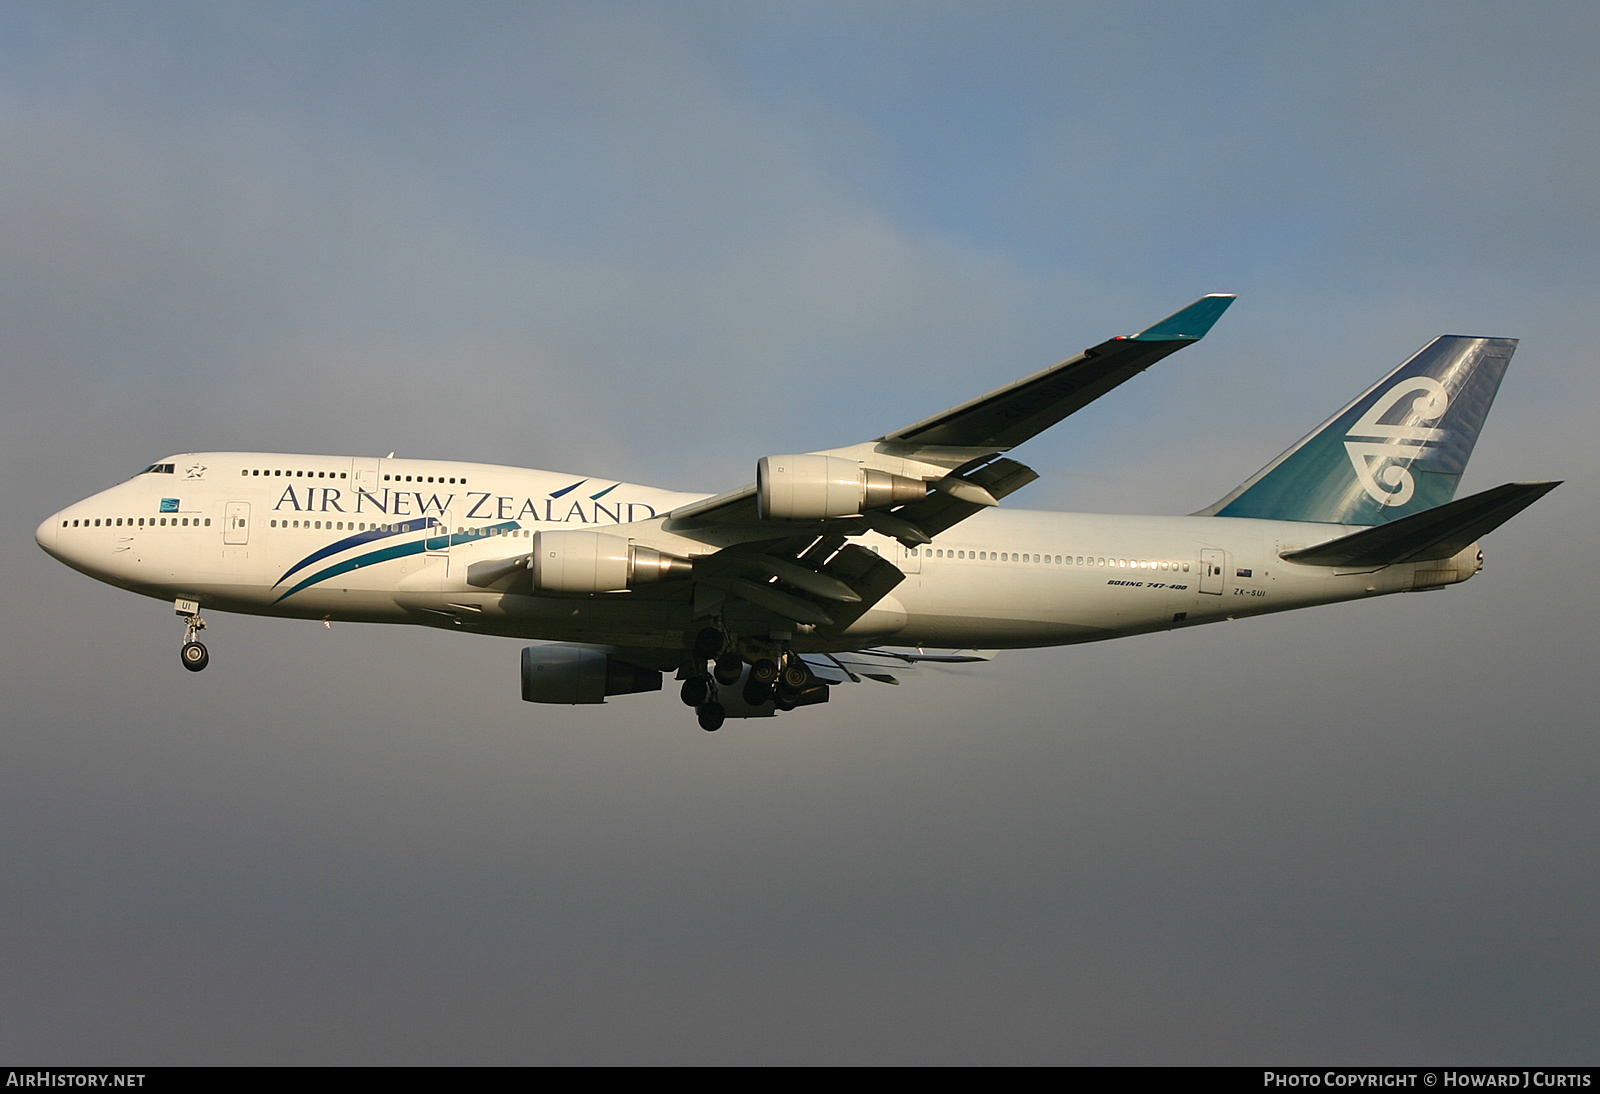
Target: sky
[657, 242]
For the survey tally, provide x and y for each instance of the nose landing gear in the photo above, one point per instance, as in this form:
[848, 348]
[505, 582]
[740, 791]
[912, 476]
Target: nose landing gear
[194, 654]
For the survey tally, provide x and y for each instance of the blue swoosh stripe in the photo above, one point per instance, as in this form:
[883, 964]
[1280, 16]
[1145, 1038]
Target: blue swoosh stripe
[356, 541]
[399, 550]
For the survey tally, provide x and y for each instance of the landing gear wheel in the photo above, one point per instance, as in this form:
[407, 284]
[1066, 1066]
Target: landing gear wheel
[728, 668]
[785, 695]
[764, 671]
[194, 656]
[755, 692]
[707, 644]
[696, 691]
[796, 674]
[711, 717]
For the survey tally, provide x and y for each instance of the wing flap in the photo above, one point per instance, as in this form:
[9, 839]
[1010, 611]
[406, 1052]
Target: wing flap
[865, 571]
[821, 581]
[941, 511]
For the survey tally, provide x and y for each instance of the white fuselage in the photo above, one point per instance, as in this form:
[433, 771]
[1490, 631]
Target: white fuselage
[361, 539]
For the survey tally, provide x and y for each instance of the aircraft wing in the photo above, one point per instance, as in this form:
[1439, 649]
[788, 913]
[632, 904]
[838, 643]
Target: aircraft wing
[950, 464]
[794, 561]
[965, 439]
[1012, 414]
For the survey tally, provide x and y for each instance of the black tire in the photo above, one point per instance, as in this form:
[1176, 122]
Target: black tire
[194, 655]
[728, 668]
[764, 671]
[796, 674]
[696, 691]
[711, 717]
[755, 692]
[707, 644]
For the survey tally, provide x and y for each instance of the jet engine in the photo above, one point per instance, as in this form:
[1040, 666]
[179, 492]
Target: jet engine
[595, 562]
[811, 487]
[573, 675]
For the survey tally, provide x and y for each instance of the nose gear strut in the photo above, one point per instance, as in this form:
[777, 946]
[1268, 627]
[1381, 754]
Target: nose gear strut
[194, 654]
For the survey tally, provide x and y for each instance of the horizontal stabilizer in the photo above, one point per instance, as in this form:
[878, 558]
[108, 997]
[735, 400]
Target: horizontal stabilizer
[1435, 533]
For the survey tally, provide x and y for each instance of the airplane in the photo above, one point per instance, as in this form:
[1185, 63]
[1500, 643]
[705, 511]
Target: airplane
[833, 566]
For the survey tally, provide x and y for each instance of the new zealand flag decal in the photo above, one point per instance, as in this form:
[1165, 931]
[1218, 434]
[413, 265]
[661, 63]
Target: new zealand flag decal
[169, 505]
[1242, 573]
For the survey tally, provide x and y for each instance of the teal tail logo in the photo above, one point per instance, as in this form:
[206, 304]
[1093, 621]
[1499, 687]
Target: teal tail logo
[1398, 449]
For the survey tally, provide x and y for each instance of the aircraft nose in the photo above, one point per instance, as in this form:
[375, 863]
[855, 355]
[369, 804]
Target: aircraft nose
[45, 534]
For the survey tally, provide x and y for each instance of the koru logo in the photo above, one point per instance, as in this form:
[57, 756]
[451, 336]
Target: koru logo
[1398, 443]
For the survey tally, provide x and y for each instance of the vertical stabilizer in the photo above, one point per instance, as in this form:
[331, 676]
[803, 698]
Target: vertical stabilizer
[1399, 449]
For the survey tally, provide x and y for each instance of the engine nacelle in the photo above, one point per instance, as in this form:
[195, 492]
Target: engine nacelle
[811, 487]
[595, 562]
[572, 675]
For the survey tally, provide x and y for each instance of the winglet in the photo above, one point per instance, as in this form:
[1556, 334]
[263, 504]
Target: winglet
[1190, 324]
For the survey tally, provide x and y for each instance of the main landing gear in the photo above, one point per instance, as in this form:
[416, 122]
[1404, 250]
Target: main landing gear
[775, 675]
[699, 690]
[194, 654]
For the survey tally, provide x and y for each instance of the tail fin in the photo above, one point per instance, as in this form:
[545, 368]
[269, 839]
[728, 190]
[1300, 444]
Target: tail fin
[1399, 449]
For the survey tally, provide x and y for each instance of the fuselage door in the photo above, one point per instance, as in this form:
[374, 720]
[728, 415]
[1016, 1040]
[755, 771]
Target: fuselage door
[438, 541]
[1212, 561]
[236, 523]
[910, 560]
[364, 474]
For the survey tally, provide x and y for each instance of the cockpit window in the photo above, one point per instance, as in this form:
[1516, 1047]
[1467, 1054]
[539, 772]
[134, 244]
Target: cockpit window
[158, 469]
